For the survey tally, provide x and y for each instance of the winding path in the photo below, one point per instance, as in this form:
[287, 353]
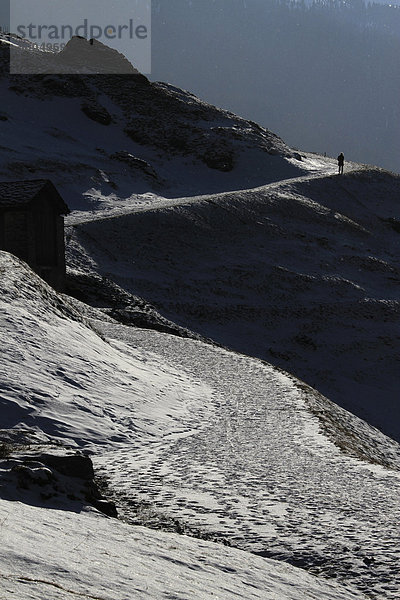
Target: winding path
[258, 474]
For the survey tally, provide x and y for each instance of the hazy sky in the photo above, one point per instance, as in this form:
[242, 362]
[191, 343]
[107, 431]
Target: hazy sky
[318, 81]
[324, 81]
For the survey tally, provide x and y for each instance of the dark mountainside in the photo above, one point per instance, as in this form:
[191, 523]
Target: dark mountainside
[148, 131]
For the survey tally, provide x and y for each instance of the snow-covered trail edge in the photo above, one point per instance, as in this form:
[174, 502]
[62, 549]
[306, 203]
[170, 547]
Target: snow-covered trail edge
[108, 207]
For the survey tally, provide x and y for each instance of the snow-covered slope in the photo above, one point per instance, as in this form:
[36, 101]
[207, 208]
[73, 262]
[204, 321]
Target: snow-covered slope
[51, 360]
[116, 135]
[191, 438]
[304, 273]
[54, 555]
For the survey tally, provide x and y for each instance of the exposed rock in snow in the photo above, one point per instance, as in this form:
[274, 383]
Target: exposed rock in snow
[135, 163]
[97, 113]
[121, 306]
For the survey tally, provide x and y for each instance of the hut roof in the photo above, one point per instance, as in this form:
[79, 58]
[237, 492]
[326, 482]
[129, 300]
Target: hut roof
[17, 194]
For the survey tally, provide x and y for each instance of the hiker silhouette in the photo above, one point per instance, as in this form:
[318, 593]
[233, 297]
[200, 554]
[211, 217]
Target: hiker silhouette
[340, 160]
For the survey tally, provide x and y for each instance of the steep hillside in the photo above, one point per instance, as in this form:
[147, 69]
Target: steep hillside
[304, 273]
[115, 136]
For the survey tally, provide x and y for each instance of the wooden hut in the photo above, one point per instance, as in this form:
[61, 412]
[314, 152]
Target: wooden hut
[32, 227]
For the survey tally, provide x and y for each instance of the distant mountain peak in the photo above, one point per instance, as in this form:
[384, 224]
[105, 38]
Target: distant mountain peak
[79, 56]
[94, 56]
